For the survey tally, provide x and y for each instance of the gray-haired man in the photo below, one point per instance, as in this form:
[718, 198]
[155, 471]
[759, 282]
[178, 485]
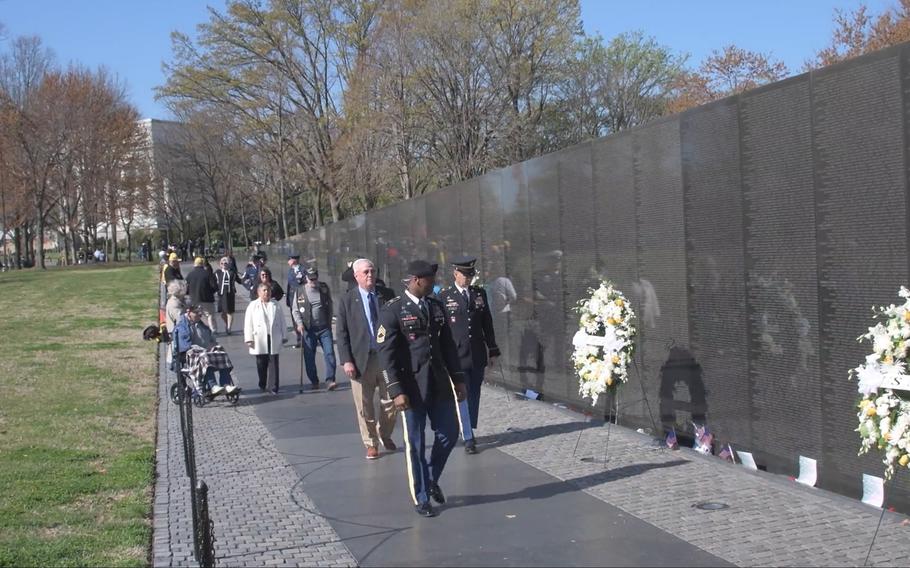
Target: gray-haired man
[358, 320]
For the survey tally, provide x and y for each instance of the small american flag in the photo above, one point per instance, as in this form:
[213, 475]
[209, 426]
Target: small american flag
[727, 454]
[671, 439]
[703, 440]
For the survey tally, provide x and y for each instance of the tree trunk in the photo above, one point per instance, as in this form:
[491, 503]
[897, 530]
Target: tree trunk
[333, 204]
[205, 223]
[297, 214]
[113, 226]
[317, 208]
[29, 245]
[261, 225]
[129, 244]
[246, 233]
[17, 238]
[283, 210]
[41, 242]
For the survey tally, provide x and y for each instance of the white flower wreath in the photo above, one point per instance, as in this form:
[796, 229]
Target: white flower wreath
[605, 341]
[884, 383]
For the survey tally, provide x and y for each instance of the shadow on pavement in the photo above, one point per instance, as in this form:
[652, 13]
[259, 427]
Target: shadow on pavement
[553, 488]
[489, 441]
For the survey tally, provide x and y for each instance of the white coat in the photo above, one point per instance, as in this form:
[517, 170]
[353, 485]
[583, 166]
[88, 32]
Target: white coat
[260, 321]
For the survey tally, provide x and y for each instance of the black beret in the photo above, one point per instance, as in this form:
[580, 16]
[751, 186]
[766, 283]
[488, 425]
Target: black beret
[422, 268]
[311, 272]
[294, 256]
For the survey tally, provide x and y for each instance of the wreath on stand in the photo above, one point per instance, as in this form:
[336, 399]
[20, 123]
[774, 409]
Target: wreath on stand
[884, 383]
[605, 341]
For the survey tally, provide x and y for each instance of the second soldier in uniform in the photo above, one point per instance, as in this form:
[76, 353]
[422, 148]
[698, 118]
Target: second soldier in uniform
[423, 376]
[468, 311]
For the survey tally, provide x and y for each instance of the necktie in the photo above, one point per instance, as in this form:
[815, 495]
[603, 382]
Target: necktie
[423, 309]
[374, 315]
[464, 294]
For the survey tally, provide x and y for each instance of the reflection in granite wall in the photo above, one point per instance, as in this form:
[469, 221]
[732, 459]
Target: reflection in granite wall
[782, 275]
[861, 210]
[714, 248]
[752, 235]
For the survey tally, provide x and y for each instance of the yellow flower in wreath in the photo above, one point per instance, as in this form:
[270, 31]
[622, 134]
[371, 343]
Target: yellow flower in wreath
[609, 381]
[616, 359]
[905, 459]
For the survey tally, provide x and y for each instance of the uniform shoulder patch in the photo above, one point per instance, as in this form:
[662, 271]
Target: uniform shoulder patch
[393, 300]
[380, 334]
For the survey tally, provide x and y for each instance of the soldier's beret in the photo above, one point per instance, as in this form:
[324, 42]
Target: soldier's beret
[422, 268]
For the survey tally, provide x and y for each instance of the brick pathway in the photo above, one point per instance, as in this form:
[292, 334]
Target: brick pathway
[261, 516]
[771, 521]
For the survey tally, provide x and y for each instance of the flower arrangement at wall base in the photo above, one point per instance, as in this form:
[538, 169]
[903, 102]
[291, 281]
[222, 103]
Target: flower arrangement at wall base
[605, 341]
[884, 383]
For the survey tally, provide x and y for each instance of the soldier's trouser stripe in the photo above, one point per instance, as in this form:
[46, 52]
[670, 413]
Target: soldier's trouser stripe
[409, 449]
[464, 415]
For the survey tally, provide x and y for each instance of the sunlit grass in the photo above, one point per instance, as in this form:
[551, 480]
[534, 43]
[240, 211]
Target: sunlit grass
[77, 416]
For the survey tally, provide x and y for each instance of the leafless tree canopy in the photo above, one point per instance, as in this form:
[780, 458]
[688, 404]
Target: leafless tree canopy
[293, 113]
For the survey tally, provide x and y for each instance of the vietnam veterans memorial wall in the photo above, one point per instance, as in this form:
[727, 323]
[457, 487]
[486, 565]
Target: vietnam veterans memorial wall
[753, 235]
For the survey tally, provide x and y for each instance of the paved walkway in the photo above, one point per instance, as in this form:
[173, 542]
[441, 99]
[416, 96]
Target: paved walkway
[290, 486]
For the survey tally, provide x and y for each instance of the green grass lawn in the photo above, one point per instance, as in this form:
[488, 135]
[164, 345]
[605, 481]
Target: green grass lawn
[77, 416]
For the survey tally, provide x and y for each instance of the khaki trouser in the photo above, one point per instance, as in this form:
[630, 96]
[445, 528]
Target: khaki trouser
[364, 389]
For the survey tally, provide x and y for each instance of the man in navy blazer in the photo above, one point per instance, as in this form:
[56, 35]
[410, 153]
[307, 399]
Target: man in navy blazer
[356, 326]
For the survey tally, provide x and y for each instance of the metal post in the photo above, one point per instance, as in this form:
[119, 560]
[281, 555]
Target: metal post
[204, 537]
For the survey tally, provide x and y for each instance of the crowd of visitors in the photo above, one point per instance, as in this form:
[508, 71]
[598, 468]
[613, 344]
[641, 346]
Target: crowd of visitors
[420, 355]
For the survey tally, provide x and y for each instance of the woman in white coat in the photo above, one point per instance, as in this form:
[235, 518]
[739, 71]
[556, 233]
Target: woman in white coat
[264, 332]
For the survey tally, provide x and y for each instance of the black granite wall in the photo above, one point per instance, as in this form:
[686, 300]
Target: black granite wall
[753, 235]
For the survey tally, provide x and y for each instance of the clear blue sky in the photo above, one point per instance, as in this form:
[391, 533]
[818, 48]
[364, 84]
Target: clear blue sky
[131, 37]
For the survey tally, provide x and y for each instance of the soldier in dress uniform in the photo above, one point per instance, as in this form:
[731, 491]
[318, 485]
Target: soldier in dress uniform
[471, 320]
[421, 370]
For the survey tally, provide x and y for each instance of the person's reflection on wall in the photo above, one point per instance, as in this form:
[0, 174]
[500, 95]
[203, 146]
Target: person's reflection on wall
[647, 299]
[544, 329]
[501, 294]
[683, 398]
[782, 320]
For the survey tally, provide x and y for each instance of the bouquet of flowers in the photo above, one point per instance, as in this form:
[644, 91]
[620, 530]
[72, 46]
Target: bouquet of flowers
[605, 341]
[884, 383]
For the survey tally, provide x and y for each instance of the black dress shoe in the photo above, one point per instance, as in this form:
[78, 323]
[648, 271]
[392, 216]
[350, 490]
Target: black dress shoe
[425, 510]
[437, 494]
[470, 447]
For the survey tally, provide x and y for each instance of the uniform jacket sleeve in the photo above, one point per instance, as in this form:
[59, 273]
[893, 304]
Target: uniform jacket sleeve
[388, 338]
[489, 334]
[450, 352]
[342, 331]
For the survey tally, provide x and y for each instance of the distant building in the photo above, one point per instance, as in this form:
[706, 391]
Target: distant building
[173, 181]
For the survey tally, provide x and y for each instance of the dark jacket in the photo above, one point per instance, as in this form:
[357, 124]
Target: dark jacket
[250, 279]
[385, 294]
[224, 281]
[277, 291]
[417, 355]
[351, 330]
[200, 285]
[472, 325]
[171, 273]
[295, 280]
[300, 306]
